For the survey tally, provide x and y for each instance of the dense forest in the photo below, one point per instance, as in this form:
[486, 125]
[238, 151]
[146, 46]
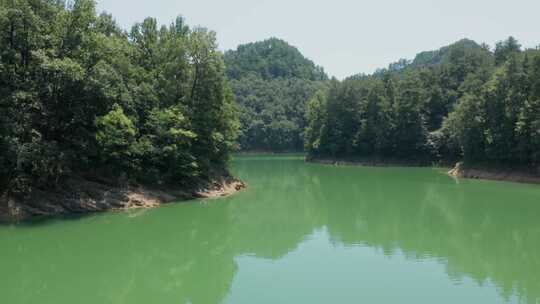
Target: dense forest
[272, 82]
[81, 97]
[461, 102]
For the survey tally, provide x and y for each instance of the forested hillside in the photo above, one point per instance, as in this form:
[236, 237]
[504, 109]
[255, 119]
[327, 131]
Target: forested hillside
[81, 97]
[272, 82]
[462, 102]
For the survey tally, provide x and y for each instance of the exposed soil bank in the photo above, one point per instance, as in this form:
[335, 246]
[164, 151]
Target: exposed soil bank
[511, 175]
[84, 196]
[460, 171]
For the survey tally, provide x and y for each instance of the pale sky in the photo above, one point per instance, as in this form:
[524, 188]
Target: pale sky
[346, 37]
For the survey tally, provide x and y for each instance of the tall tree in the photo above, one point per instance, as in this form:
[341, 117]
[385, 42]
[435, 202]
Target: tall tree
[79, 95]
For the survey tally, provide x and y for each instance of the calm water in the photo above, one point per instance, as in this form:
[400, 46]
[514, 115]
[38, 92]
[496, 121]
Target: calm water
[301, 233]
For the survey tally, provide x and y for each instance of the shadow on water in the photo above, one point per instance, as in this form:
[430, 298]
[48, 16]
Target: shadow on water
[40, 221]
[186, 253]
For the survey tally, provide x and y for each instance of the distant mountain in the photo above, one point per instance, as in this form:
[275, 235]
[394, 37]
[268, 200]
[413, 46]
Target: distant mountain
[272, 82]
[442, 55]
[437, 57]
[270, 59]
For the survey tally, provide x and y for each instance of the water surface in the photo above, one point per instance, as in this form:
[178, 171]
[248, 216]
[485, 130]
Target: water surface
[301, 233]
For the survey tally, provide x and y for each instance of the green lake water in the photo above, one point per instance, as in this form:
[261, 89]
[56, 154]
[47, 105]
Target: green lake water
[300, 233]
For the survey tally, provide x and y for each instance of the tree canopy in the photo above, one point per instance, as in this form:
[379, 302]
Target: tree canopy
[272, 82]
[462, 101]
[79, 95]
[270, 59]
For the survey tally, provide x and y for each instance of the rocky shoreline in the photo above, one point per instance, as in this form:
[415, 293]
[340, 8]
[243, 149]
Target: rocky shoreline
[510, 175]
[458, 171]
[86, 196]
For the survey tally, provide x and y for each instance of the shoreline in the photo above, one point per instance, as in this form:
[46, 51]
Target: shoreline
[500, 174]
[254, 152]
[94, 197]
[368, 162]
[457, 171]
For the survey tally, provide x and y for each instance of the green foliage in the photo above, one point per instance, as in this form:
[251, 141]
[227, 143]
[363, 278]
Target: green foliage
[269, 59]
[504, 49]
[461, 101]
[78, 95]
[166, 146]
[315, 115]
[273, 83]
[115, 135]
[272, 112]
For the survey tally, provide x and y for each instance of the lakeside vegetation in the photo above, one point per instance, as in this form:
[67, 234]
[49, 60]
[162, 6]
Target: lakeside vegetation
[80, 97]
[461, 102]
[95, 117]
[83, 100]
[273, 83]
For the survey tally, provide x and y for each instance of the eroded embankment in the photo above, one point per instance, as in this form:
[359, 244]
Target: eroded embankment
[511, 175]
[83, 196]
[523, 175]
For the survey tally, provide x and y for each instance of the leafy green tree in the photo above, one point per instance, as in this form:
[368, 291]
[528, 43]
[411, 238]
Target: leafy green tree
[78, 94]
[315, 116]
[115, 135]
[528, 125]
[166, 147]
[410, 131]
[376, 124]
[504, 49]
[467, 123]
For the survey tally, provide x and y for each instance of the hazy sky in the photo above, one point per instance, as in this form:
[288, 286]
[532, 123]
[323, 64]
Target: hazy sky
[346, 36]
